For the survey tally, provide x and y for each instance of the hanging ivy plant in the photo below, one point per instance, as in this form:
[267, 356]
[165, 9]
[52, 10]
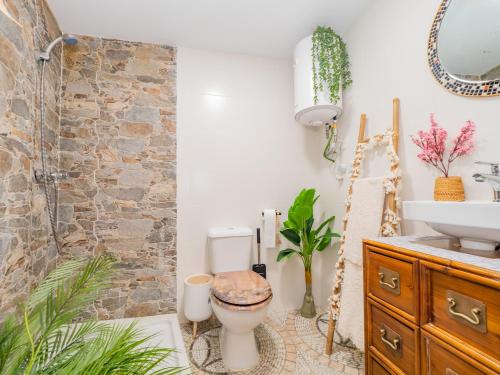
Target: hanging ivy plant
[330, 63]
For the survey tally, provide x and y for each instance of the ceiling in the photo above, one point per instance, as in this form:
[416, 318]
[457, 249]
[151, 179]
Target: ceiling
[256, 27]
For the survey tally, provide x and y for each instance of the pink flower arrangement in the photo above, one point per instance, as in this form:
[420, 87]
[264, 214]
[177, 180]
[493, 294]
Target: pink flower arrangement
[433, 145]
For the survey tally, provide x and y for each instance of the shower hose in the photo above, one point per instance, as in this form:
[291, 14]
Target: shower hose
[51, 208]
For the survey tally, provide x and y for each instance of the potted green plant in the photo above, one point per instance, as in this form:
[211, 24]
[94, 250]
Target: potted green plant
[41, 338]
[299, 230]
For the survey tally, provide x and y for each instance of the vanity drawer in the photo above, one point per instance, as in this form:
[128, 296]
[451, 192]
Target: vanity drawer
[392, 280]
[438, 358]
[375, 366]
[391, 339]
[462, 308]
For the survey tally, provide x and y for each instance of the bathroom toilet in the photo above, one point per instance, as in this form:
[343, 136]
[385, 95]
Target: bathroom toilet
[240, 297]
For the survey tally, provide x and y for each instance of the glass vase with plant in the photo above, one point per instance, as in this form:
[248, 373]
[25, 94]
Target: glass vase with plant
[433, 151]
[299, 230]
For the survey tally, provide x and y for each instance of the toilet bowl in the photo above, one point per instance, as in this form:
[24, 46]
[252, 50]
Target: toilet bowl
[240, 300]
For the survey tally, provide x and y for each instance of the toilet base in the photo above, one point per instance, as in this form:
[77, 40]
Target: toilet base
[239, 350]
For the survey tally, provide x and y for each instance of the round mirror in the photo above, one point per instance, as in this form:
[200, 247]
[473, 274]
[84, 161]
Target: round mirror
[464, 47]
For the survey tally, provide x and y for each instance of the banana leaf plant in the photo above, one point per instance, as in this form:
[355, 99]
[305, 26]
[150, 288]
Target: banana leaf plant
[299, 229]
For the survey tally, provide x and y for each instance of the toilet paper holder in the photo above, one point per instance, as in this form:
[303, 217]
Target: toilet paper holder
[277, 213]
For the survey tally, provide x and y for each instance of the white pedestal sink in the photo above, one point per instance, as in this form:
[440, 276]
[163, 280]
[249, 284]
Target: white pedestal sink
[475, 223]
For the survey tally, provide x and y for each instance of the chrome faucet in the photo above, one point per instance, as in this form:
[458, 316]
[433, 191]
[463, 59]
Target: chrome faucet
[51, 176]
[493, 179]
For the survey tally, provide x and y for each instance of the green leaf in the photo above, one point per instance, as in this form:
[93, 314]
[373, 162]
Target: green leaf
[291, 235]
[325, 223]
[309, 224]
[315, 199]
[303, 213]
[307, 197]
[294, 219]
[285, 254]
[323, 243]
[298, 216]
[308, 248]
[326, 239]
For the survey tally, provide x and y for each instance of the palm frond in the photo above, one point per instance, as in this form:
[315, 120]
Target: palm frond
[61, 274]
[46, 339]
[67, 293]
[122, 349]
[8, 340]
[66, 343]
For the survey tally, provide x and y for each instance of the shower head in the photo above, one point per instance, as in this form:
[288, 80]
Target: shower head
[70, 39]
[66, 38]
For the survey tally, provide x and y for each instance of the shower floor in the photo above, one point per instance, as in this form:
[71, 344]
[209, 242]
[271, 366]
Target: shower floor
[166, 333]
[288, 344]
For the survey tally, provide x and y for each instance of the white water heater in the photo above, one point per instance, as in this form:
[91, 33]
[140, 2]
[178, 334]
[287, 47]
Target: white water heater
[306, 112]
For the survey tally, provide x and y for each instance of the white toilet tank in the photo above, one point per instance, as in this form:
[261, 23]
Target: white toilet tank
[230, 249]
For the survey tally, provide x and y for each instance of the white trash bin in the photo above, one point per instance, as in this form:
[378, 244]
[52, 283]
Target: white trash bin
[197, 306]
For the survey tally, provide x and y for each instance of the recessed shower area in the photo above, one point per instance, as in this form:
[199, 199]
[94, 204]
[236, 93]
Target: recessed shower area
[88, 166]
[99, 162]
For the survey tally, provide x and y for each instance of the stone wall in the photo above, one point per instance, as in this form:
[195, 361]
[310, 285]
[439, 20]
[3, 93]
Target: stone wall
[26, 250]
[118, 143]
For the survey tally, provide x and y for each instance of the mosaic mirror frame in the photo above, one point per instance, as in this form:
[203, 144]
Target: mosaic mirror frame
[451, 83]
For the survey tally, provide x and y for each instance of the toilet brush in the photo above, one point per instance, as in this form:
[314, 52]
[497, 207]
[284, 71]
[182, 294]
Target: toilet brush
[259, 268]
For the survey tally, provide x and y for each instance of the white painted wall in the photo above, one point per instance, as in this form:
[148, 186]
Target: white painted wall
[387, 47]
[240, 151]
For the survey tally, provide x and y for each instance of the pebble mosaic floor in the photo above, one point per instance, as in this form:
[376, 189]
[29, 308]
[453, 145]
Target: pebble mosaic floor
[288, 344]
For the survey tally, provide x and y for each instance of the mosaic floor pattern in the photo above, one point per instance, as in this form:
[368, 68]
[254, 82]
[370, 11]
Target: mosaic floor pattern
[288, 344]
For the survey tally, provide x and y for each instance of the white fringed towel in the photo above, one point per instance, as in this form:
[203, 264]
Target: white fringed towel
[364, 220]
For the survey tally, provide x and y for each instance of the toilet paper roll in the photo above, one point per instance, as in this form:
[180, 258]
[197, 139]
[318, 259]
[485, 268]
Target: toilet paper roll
[269, 226]
[277, 230]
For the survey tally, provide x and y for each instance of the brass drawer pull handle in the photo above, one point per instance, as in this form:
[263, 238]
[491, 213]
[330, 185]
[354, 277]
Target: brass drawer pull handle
[476, 320]
[394, 344]
[449, 371]
[392, 285]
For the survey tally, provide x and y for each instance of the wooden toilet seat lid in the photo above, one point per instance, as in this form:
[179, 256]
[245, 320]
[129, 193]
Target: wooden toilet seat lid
[241, 288]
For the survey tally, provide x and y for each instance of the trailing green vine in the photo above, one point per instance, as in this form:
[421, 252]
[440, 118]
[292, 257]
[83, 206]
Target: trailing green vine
[330, 63]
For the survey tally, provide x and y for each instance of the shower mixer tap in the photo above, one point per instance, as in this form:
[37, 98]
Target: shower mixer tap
[52, 176]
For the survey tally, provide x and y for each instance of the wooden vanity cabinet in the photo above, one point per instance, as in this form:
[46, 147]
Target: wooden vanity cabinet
[376, 367]
[441, 358]
[429, 315]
